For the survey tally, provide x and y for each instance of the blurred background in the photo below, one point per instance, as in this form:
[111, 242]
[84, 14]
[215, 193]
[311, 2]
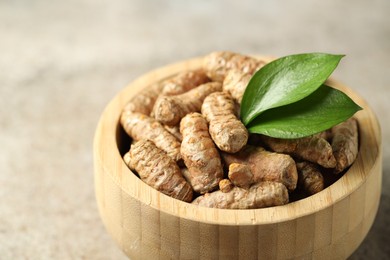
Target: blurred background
[62, 61]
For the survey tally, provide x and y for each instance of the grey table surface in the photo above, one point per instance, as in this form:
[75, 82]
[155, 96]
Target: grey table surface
[62, 61]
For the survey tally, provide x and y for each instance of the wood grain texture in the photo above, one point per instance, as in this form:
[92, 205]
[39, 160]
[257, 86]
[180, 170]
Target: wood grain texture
[150, 225]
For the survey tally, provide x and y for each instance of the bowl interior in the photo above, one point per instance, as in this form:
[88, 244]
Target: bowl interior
[356, 175]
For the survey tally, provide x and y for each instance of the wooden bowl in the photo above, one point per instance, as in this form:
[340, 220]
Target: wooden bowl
[150, 225]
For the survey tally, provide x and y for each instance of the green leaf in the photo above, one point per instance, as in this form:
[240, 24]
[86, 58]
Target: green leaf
[319, 111]
[285, 81]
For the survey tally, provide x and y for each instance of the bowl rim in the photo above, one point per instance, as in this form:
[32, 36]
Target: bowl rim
[107, 152]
